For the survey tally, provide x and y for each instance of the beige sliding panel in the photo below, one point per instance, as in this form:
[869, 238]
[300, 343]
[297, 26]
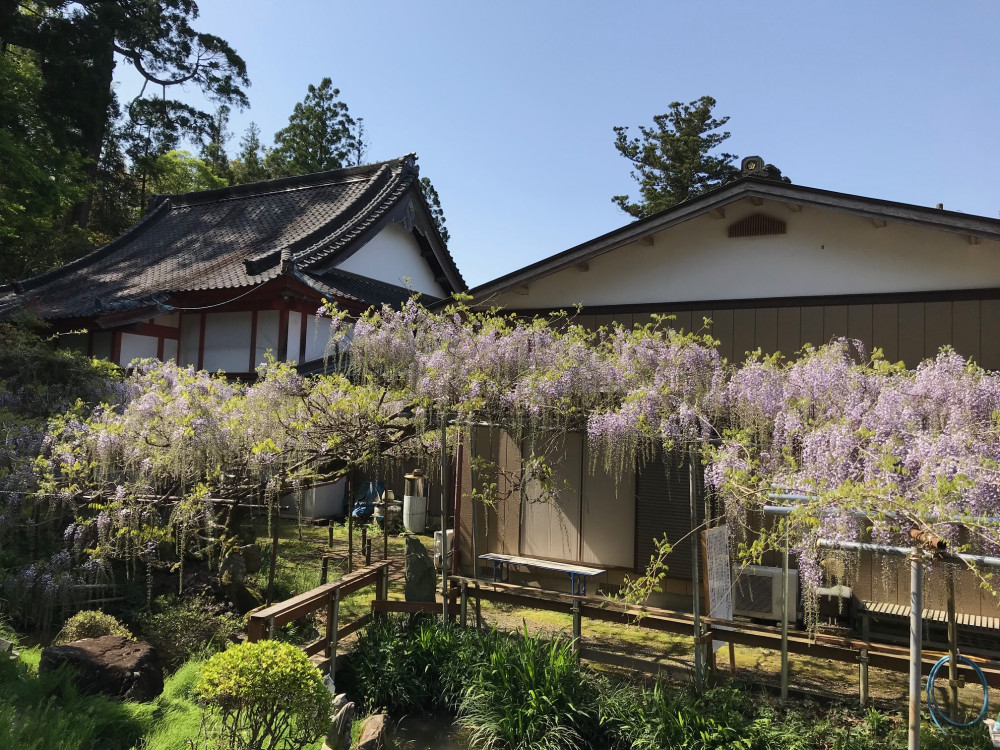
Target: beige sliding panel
[608, 530]
[551, 524]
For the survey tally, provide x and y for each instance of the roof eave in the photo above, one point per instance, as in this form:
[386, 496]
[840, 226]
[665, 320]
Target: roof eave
[903, 213]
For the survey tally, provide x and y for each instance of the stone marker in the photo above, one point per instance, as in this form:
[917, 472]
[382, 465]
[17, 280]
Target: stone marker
[110, 665]
[421, 579]
[373, 732]
[339, 736]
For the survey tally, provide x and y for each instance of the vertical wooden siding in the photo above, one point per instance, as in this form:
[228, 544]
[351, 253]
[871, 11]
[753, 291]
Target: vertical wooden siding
[908, 331]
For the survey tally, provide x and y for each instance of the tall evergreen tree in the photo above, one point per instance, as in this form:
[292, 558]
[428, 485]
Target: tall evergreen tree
[213, 151]
[320, 135]
[434, 203]
[672, 160]
[79, 44]
[248, 166]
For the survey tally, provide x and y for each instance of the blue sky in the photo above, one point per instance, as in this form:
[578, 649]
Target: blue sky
[510, 106]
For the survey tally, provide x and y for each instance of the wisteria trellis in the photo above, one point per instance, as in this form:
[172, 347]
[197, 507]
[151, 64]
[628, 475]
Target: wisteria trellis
[877, 448]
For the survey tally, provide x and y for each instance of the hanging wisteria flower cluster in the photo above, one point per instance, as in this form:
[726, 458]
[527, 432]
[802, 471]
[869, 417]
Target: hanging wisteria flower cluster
[874, 449]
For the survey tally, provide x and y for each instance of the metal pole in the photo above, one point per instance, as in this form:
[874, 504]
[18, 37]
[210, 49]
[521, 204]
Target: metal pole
[953, 681]
[695, 572]
[475, 516]
[916, 645]
[577, 626]
[444, 519]
[784, 619]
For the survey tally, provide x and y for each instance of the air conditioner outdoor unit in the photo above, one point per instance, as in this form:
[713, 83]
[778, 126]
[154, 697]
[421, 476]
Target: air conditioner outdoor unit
[757, 593]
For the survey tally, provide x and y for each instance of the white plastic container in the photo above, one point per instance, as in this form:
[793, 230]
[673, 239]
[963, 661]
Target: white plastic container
[415, 514]
[323, 500]
[437, 548]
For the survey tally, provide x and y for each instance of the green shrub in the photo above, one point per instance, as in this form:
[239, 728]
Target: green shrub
[182, 629]
[91, 623]
[264, 696]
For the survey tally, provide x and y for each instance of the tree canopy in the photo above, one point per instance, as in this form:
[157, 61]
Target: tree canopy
[672, 159]
[60, 59]
[320, 135]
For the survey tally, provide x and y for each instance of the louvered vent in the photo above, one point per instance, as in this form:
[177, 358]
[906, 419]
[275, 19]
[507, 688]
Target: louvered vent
[757, 225]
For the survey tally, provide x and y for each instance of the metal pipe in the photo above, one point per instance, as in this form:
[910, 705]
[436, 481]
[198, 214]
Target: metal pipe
[784, 620]
[887, 514]
[916, 645]
[695, 571]
[953, 681]
[473, 447]
[984, 560]
[444, 519]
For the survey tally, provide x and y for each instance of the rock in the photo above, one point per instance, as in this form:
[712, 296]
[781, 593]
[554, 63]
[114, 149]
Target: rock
[339, 736]
[243, 597]
[373, 732]
[339, 701]
[233, 568]
[110, 665]
[421, 580]
[252, 557]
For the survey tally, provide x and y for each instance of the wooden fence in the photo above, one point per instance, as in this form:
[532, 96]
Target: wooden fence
[263, 622]
[863, 652]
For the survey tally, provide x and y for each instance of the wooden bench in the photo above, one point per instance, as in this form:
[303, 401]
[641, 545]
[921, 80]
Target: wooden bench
[890, 622]
[578, 574]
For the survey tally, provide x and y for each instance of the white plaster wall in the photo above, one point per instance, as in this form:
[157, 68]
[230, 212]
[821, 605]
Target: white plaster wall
[317, 336]
[294, 336]
[393, 256]
[268, 322]
[227, 341]
[190, 333]
[169, 349]
[824, 253]
[135, 346]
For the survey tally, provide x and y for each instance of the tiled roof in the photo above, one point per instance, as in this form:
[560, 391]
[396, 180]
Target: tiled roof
[233, 238]
[346, 285]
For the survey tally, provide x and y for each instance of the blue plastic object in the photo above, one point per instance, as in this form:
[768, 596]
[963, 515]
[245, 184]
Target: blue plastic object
[932, 702]
[366, 497]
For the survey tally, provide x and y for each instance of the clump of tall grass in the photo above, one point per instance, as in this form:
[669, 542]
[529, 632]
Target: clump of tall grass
[530, 694]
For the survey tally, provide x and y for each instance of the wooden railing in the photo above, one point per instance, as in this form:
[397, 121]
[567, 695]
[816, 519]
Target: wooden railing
[862, 652]
[263, 622]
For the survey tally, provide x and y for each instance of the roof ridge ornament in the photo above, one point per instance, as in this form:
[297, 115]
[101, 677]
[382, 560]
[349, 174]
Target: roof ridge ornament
[754, 166]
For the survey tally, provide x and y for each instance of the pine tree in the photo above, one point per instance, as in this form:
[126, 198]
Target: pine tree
[248, 166]
[672, 159]
[320, 135]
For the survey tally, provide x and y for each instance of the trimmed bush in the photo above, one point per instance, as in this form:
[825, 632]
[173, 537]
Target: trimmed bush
[183, 629]
[264, 696]
[91, 623]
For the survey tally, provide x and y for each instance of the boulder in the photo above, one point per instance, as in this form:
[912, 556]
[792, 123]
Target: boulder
[233, 568]
[421, 579]
[252, 557]
[110, 665]
[339, 736]
[373, 732]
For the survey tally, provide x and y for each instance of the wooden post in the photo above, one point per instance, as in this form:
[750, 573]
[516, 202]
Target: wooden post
[335, 617]
[385, 531]
[463, 606]
[577, 627]
[368, 551]
[732, 659]
[863, 659]
[479, 609]
[324, 571]
[364, 538]
[274, 552]
[329, 534]
[350, 539]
